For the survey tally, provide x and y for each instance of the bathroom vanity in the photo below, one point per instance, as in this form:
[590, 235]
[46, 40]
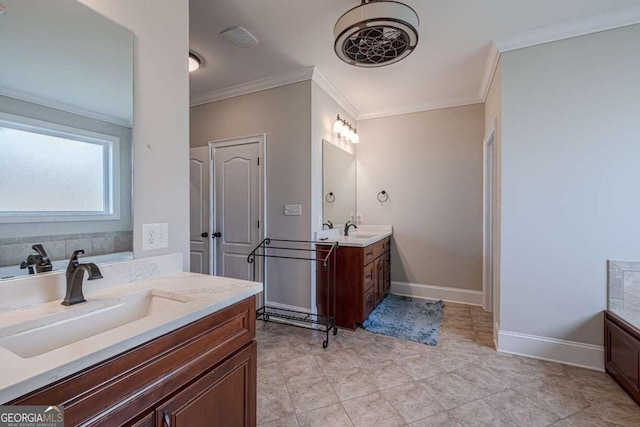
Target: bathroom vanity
[176, 349]
[363, 276]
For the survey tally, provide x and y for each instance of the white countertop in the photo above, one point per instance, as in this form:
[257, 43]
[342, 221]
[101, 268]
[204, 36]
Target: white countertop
[203, 295]
[361, 237]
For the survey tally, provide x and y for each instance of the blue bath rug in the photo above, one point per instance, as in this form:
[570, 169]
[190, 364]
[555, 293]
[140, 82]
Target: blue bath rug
[407, 318]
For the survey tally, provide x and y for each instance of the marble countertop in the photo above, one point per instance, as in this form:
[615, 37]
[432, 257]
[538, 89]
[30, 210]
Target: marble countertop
[361, 237]
[202, 295]
[630, 316]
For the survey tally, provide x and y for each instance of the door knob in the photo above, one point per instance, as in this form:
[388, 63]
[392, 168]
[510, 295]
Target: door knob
[216, 234]
[205, 234]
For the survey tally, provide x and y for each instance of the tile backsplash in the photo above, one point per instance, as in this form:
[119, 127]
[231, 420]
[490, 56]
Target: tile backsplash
[624, 289]
[14, 250]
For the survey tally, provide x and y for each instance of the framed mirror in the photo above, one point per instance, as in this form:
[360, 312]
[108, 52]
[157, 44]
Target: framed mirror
[338, 184]
[66, 114]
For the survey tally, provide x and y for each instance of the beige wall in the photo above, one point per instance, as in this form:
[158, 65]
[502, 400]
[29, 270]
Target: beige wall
[284, 115]
[324, 111]
[570, 156]
[430, 164]
[160, 115]
[493, 122]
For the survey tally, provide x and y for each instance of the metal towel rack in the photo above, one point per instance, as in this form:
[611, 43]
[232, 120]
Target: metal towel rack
[324, 256]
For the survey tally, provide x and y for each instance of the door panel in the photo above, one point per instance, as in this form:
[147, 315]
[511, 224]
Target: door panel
[236, 200]
[236, 266]
[236, 207]
[199, 210]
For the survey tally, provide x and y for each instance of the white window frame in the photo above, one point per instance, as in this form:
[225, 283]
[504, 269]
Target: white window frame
[111, 146]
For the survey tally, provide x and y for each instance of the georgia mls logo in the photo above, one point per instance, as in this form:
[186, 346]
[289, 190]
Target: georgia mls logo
[31, 416]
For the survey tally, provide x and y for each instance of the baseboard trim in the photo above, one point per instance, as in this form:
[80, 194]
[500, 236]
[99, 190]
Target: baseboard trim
[288, 307]
[430, 292]
[572, 353]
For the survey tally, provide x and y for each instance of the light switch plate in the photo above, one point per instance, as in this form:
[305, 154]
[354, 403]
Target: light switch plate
[155, 236]
[292, 210]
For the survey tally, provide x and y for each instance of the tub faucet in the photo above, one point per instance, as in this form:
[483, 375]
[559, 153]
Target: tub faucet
[347, 226]
[75, 277]
[40, 260]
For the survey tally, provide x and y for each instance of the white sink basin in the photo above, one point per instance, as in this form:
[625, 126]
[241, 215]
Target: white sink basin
[362, 236]
[58, 330]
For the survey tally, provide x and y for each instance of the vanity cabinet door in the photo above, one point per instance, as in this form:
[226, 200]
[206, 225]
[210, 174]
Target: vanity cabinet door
[225, 396]
[379, 279]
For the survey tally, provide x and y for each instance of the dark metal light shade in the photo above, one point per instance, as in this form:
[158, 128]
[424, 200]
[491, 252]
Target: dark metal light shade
[376, 33]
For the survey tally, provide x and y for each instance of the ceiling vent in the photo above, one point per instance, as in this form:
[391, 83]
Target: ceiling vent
[376, 33]
[240, 37]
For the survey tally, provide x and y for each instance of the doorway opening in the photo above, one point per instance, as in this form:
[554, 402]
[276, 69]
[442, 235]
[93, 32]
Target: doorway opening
[227, 205]
[489, 215]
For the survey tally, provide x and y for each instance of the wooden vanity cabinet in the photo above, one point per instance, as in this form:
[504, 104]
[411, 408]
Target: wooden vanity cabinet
[200, 375]
[363, 278]
[622, 353]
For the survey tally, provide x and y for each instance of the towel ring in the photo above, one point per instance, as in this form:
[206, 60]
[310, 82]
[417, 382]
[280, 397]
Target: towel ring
[330, 198]
[383, 196]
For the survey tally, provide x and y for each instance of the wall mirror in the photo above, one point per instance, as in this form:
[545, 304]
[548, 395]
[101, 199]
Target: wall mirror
[338, 183]
[66, 113]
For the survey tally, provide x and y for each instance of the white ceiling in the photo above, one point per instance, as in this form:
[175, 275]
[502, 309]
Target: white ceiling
[446, 68]
[63, 54]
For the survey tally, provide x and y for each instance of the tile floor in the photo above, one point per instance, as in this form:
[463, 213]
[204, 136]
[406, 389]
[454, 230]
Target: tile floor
[367, 380]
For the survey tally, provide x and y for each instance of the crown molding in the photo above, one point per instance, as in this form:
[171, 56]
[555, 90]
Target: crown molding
[299, 75]
[428, 106]
[44, 102]
[489, 71]
[580, 27]
[330, 90]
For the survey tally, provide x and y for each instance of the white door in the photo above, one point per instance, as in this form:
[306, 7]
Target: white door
[237, 205]
[200, 238]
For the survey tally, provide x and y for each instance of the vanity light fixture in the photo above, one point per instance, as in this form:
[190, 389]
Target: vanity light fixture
[194, 62]
[344, 130]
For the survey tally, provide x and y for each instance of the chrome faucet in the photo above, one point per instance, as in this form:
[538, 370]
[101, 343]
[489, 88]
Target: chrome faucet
[75, 276]
[347, 226]
[40, 260]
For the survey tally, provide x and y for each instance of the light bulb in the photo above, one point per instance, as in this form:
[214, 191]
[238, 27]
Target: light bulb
[338, 125]
[349, 133]
[356, 138]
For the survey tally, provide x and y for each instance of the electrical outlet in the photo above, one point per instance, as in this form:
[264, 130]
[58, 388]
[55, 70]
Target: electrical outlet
[292, 210]
[358, 218]
[155, 236]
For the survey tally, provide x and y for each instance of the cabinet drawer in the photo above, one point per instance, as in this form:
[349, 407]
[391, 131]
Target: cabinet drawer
[368, 277]
[378, 249]
[368, 255]
[386, 244]
[368, 302]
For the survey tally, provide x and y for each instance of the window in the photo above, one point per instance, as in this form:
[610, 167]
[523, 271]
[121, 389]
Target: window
[50, 172]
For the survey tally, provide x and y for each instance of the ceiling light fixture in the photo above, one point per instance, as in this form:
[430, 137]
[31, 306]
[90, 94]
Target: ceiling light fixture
[194, 62]
[344, 130]
[376, 33]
